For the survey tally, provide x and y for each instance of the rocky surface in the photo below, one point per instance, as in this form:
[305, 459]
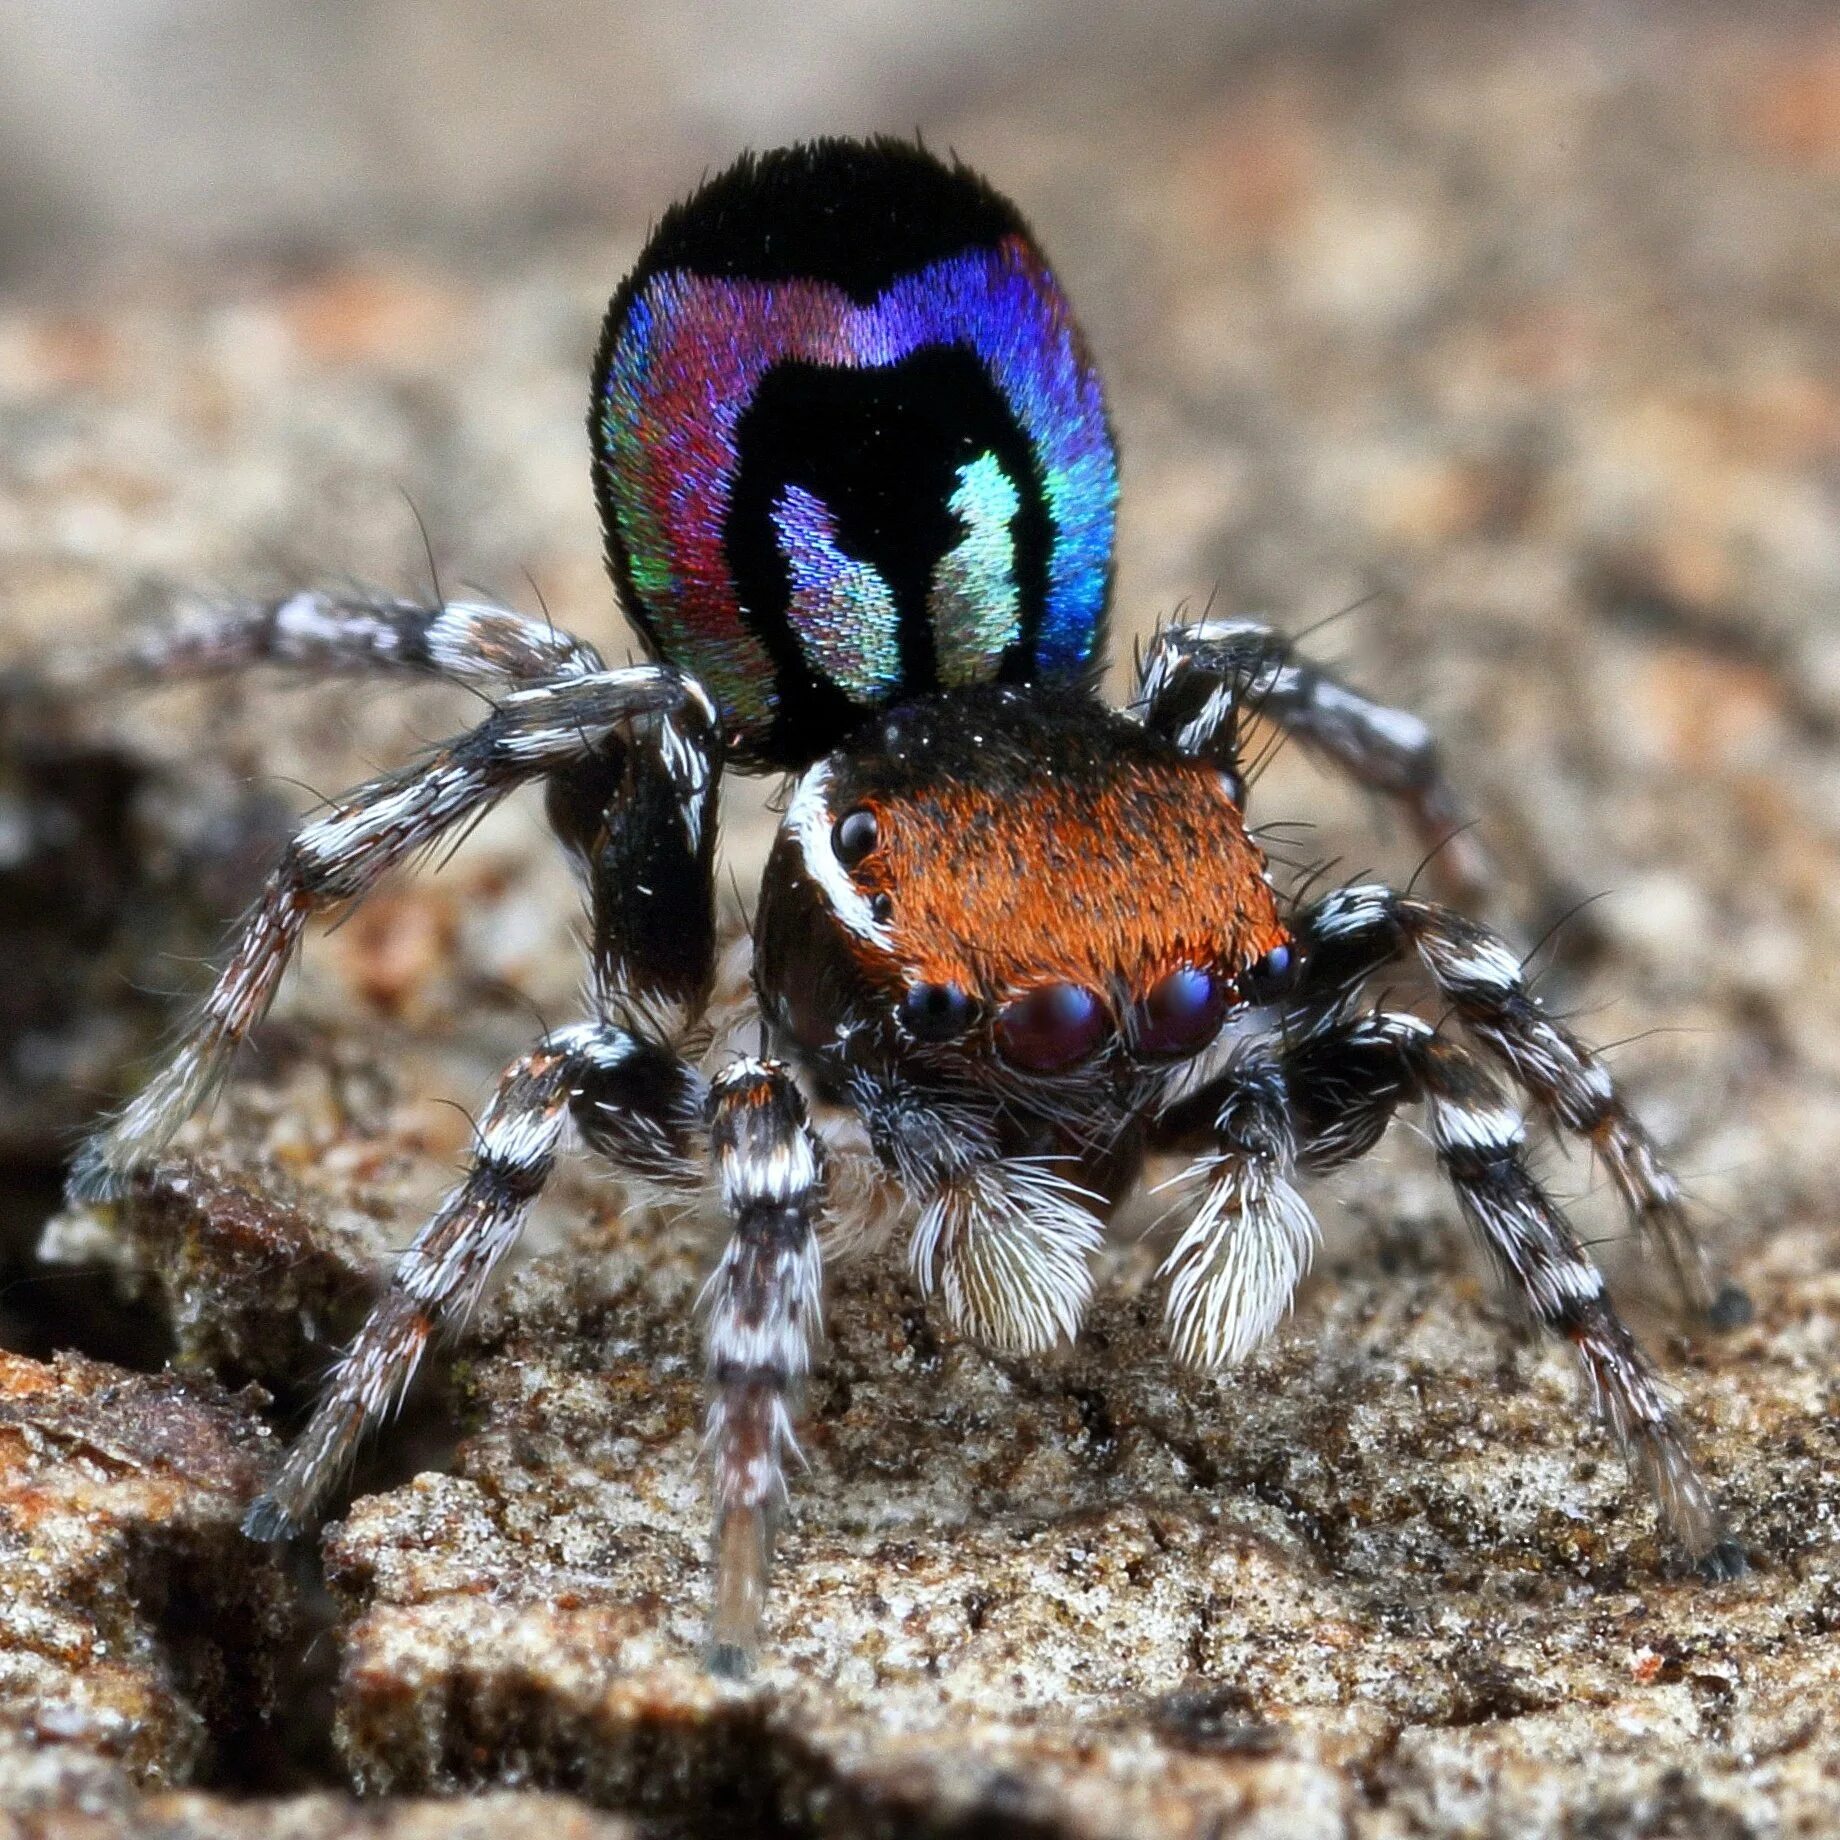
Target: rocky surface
[1519, 319]
[91, 1802]
[136, 1624]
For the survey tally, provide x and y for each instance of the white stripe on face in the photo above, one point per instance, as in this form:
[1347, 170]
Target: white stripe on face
[809, 819]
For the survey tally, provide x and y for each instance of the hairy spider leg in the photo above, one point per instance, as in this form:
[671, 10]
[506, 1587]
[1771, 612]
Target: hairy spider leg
[591, 1071]
[763, 1305]
[1355, 931]
[631, 1096]
[1480, 1143]
[1248, 1241]
[339, 858]
[1005, 1242]
[324, 633]
[1330, 1095]
[1200, 685]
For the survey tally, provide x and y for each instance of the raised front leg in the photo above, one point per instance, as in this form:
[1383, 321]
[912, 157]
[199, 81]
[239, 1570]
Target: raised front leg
[1201, 685]
[339, 858]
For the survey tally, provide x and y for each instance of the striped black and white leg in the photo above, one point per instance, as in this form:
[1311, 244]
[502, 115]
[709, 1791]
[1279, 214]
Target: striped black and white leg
[1248, 1242]
[763, 1316]
[1354, 932]
[1478, 1138]
[1346, 1077]
[337, 859]
[1201, 685]
[588, 1070]
[318, 633]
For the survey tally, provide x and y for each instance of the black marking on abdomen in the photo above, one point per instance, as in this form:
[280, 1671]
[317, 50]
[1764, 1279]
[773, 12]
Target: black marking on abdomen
[882, 449]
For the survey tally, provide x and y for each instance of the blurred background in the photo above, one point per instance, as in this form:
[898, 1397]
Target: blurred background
[1515, 328]
[1359, 270]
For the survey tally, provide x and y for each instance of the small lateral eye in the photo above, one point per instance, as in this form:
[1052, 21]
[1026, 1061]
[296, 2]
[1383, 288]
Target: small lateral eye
[937, 1012]
[1269, 977]
[1182, 1012]
[855, 835]
[1052, 1027]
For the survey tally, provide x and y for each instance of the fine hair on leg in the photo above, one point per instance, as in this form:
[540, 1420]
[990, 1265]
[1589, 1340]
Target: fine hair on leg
[324, 633]
[1353, 933]
[1346, 1076]
[1479, 1141]
[1247, 1243]
[340, 857]
[762, 1314]
[440, 1276]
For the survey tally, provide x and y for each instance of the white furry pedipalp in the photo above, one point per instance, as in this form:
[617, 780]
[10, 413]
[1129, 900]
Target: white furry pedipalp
[1008, 1244]
[1238, 1262]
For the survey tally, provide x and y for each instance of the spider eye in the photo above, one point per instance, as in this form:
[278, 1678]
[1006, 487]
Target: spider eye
[1269, 976]
[1182, 1013]
[1052, 1027]
[936, 1012]
[855, 835]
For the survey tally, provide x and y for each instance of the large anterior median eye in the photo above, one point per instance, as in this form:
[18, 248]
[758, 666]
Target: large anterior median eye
[1052, 1027]
[1182, 1012]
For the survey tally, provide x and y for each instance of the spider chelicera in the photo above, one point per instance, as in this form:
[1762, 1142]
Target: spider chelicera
[858, 483]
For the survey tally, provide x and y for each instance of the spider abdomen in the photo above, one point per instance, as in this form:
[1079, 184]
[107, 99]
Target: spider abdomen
[849, 446]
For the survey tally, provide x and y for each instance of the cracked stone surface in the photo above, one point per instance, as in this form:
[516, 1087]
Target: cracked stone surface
[136, 1625]
[1520, 320]
[60, 1799]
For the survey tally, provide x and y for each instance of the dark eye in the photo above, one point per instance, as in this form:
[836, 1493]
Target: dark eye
[1052, 1027]
[1270, 976]
[937, 1012]
[855, 835]
[1182, 1013]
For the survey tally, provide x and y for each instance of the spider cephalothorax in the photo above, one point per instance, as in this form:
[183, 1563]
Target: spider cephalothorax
[1100, 914]
[858, 488]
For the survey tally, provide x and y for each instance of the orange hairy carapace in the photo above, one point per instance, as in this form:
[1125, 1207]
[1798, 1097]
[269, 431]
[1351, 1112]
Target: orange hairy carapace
[1107, 879]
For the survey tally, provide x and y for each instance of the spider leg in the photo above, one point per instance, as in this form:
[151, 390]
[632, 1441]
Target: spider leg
[1346, 1077]
[1353, 932]
[318, 633]
[590, 1070]
[1200, 684]
[531, 734]
[640, 823]
[763, 1308]
[1247, 1245]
